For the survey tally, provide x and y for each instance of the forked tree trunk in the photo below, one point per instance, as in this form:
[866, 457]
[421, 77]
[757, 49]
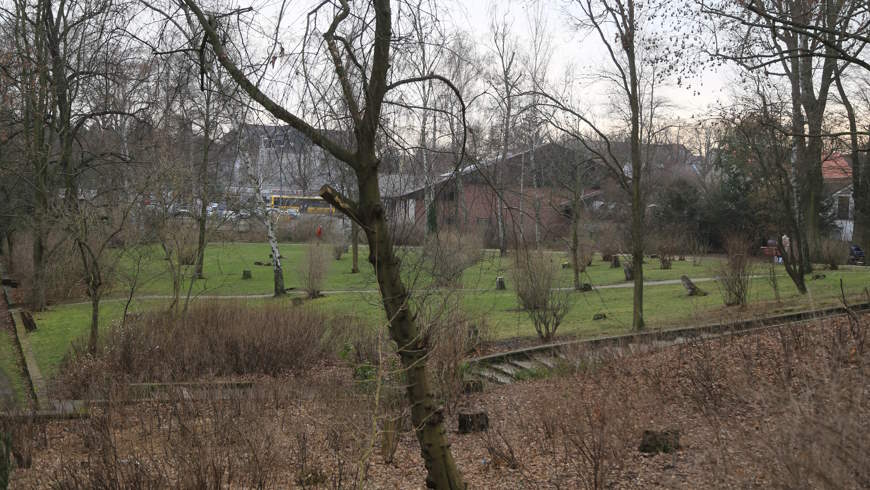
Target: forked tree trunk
[426, 413]
[413, 350]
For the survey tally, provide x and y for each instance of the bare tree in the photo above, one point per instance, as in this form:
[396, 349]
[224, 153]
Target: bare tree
[537, 62]
[505, 84]
[61, 52]
[860, 167]
[755, 143]
[803, 39]
[363, 88]
[626, 52]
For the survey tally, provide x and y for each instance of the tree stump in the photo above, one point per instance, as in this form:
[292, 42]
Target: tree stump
[473, 422]
[628, 270]
[599, 316]
[499, 283]
[691, 288]
[585, 287]
[246, 274]
[653, 442]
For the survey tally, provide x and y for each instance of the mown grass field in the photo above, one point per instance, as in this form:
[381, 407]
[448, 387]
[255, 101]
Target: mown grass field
[665, 305]
[224, 263]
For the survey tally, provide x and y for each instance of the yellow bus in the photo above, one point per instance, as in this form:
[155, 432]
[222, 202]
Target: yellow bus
[302, 204]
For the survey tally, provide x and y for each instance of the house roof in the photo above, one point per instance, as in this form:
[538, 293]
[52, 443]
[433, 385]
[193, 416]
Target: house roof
[837, 167]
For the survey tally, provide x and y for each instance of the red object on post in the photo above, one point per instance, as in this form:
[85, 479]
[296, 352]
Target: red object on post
[319, 231]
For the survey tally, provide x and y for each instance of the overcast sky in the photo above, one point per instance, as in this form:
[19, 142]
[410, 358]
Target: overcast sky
[571, 48]
[583, 52]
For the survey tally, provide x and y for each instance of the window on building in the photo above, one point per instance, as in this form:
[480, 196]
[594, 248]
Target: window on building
[843, 207]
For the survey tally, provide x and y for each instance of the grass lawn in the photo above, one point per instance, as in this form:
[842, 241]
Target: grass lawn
[224, 263]
[664, 305]
[10, 366]
[62, 325]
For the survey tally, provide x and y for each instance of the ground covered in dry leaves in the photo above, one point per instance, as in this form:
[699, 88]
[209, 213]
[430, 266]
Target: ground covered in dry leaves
[786, 407]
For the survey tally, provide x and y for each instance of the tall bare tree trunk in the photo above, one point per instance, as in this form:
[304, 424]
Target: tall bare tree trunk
[38, 300]
[427, 414]
[575, 242]
[413, 349]
[860, 179]
[354, 246]
[95, 323]
[638, 208]
[10, 250]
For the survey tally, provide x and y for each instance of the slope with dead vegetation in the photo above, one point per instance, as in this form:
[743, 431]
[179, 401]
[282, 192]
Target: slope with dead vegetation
[787, 407]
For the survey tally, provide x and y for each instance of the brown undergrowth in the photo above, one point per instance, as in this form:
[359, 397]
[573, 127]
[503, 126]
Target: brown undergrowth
[785, 407]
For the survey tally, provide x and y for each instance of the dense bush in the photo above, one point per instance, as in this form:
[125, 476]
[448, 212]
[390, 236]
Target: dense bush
[211, 339]
[536, 276]
[448, 254]
[312, 269]
[63, 268]
[735, 274]
[832, 253]
[609, 240]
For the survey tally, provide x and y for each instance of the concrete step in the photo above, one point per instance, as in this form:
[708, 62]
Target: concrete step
[506, 368]
[548, 361]
[494, 376]
[527, 364]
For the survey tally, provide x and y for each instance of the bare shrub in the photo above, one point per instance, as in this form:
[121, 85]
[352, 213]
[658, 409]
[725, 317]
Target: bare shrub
[734, 275]
[500, 449]
[593, 439]
[536, 276]
[302, 228]
[773, 280]
[698, 249]
[585, 424]
[448, 254]
[213, 338]
[64, 274]
[668, 244]
[609, 241]
[259, 440]
[405, 233]
[585, 252]
[178, 237]
[454, 336]
[338, 249]
[832, 253]
[313, 268]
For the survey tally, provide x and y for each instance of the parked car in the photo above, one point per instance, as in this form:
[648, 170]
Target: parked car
[181, 211]
[856, 255]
